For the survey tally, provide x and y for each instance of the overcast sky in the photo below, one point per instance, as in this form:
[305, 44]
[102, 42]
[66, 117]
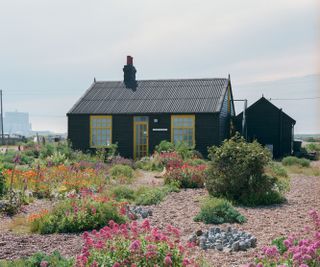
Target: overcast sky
[50, 51]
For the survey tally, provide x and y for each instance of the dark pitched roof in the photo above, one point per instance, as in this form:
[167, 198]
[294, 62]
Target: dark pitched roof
[153, 96]
[263, 99]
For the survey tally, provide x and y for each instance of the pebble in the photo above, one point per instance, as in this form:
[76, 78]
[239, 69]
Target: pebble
[223, 240]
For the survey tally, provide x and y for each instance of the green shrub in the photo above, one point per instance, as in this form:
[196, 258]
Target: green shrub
[217, 211]
[57, 158]
[123, 192]
[122, 172]
[262, 198]
[275, 169]
[53, 260]
[184, 150]
[313, 147]
[46, 151]
[289, 161]
[236, 172]
[150, 196]
[76, 215]
[149, 164]
[196, 162]
[165, 146]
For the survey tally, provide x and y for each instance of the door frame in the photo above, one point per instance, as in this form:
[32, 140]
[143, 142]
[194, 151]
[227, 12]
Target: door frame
[135, 123]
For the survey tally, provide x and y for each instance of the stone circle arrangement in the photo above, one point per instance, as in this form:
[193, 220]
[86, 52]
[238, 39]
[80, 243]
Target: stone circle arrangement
[224, 240]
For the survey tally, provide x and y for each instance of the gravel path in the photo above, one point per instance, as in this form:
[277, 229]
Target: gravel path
[266, 224]
[179, 210]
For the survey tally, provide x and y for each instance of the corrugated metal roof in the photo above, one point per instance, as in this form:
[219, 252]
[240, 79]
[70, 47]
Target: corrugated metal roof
[153, 96]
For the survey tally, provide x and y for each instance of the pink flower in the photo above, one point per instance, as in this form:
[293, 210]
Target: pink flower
[167, 260]
[135, 245]
[185, 262]
[116, 265]
[44, 264]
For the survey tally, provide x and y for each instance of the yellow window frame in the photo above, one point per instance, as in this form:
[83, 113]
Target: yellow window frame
[183, 127]
[92, 117]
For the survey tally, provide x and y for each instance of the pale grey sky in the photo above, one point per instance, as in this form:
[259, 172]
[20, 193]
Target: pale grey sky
[51, 50]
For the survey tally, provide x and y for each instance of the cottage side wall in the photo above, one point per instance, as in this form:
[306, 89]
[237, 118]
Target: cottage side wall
[78, 132]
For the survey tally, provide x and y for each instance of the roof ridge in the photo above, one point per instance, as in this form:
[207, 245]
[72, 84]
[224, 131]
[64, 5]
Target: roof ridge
[174, 79]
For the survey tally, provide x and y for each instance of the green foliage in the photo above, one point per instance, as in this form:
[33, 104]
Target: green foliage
[236, 172]
[184, 150]
[278, 242]
[149, 164]
[108, 152]
[57, 158]
[150, 196]
[122, 172]
[289, 161]
[196, 162]
[76, 215]
[165, 146]
[46, 150]
[275, 169]
[313, 147]
[2, 183]
[123, 192]
[53, 260]
[217, 211]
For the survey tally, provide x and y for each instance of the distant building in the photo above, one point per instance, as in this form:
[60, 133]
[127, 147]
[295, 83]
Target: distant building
[270, 126]
[17, 123]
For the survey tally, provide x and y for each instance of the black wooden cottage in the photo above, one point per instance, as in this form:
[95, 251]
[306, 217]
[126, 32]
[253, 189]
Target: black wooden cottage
[139, 114]
[270, 126]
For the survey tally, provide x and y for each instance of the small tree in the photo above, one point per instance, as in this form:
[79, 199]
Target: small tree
[236, 172]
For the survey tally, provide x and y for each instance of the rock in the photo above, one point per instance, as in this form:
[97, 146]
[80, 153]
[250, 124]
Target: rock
[219, 247]
[253, 241]
[199, 232]
[235, 246]
[242, 245]
[229, 229]
[144, 214]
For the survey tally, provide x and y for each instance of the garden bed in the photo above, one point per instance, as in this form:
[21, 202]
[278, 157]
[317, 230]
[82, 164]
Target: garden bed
[179, 209]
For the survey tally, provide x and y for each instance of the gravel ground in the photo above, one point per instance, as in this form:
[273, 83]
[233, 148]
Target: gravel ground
[266, 223]
[179, 210]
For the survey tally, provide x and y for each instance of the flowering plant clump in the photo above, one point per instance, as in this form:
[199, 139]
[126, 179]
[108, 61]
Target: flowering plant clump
[301, 250]
[186, 175]
[76, 214]
[133, 245]
[44, 180]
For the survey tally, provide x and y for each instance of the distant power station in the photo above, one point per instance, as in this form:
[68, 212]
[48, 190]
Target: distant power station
[17, 123]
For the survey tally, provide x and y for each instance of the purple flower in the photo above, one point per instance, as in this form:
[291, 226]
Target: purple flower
[135, 245]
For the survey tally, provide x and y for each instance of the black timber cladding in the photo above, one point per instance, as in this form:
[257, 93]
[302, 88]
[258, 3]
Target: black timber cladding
[268, 124]
[153, 96]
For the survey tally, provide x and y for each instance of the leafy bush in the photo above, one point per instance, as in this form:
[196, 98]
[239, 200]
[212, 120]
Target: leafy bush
[184, 150]
[123, 192]
[289, 161]
[150, 196]
[46, 151]
[40, 259]
[196, 162]
[76, 215]
[133, 245]
[298, 249]
[313, 147]
[165, 146]
[121, 172]
[186, 176]
[236, 172]
[57, 158]
[217, 211]
[150, 163]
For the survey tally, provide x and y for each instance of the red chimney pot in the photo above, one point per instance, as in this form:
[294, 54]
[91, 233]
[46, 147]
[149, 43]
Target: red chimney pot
[129, 60]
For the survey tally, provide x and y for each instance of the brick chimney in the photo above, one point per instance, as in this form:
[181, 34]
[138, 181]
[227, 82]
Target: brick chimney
[129, 74]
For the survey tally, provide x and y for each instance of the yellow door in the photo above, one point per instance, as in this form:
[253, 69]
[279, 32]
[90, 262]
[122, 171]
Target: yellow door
[140, 136]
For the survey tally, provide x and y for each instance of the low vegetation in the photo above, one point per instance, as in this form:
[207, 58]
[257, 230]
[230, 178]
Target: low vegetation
[297, 249]
[289, 161]
[133, 245]
[40, 259]
[123, 173]
[217, 211]
[76, 215]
